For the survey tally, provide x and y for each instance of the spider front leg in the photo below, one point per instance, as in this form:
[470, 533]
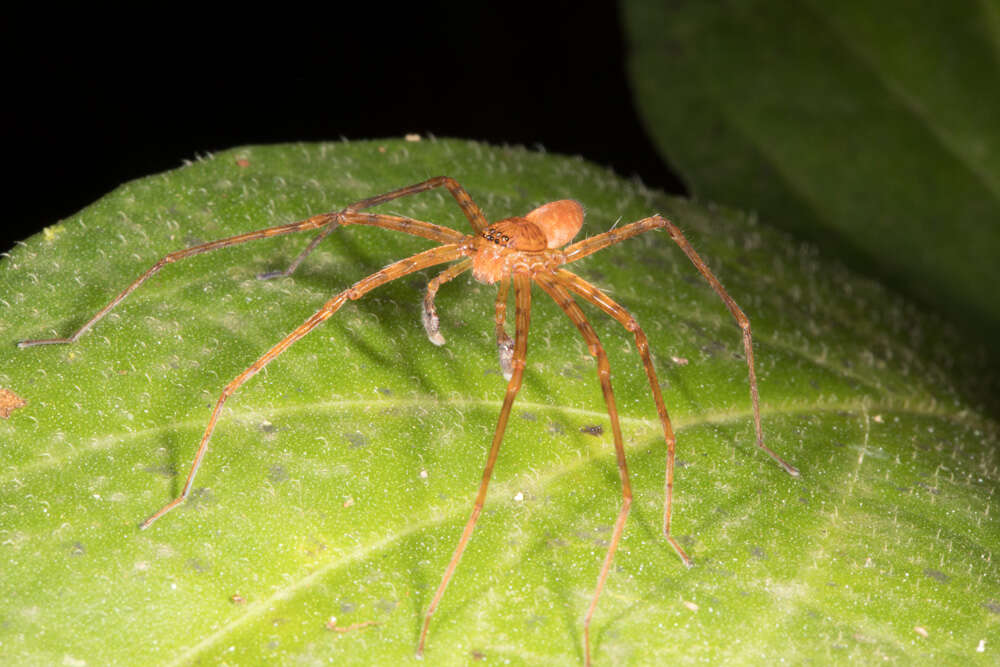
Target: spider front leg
[522, 316]
[328, 220]
[469, 208]
[591, 245]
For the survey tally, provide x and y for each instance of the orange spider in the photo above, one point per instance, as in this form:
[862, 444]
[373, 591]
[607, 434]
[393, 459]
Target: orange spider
[522, 250]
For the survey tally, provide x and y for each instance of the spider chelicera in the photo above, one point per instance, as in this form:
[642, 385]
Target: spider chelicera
[518, 250]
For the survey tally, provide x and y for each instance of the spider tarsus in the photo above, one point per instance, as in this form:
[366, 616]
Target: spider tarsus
[785, 465]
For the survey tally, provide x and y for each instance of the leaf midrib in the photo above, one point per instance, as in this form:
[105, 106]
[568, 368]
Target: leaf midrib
[860, 406]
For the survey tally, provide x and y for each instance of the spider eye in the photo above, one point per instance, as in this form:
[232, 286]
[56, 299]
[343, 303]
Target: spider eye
[494, 235]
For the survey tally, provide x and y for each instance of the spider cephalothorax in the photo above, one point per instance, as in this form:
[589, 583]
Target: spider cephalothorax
[519, 251]
[528, 243]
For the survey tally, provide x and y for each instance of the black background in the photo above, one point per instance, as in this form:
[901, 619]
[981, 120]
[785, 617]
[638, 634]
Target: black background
[93, 102]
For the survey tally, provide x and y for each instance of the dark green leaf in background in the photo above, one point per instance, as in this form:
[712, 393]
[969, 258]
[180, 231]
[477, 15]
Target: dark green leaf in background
[338, 480]
[872, 128]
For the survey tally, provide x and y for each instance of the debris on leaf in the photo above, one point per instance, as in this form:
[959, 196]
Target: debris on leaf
[9, 401]
[332, 625]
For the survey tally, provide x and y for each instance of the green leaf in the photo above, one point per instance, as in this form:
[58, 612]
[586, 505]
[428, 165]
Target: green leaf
[872, 128]
[338, 480]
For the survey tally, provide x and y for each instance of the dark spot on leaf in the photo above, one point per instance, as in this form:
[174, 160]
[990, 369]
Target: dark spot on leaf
[478, 655]
[165, 470]
[555, 428]
[277, 474]
[201, 497]
[77, 549]
[595, 430]
[9, 401]
[347, 607]
[356, 439]
[267, 427]
[993, 606]
[385, 391]
[935, 574]
[198, 566]
[686, 541]
[758, 553]
[529, 416]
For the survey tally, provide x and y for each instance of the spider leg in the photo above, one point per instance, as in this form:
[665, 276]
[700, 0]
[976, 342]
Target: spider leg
[522, 300]
[422, 260]
[572, 309]
[328, 220]
[505, 346]
[609, 306]
[301, 256]
[430, 317]
[591, 245]
[469, 208]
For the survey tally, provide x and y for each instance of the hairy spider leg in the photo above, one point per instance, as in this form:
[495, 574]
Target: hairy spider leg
[314, 222]
[573, 311]
[331, 220]
[591, 245]
[430, 317]
[598, 298]
[471, 210]
[522, 316]
[422, 260]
